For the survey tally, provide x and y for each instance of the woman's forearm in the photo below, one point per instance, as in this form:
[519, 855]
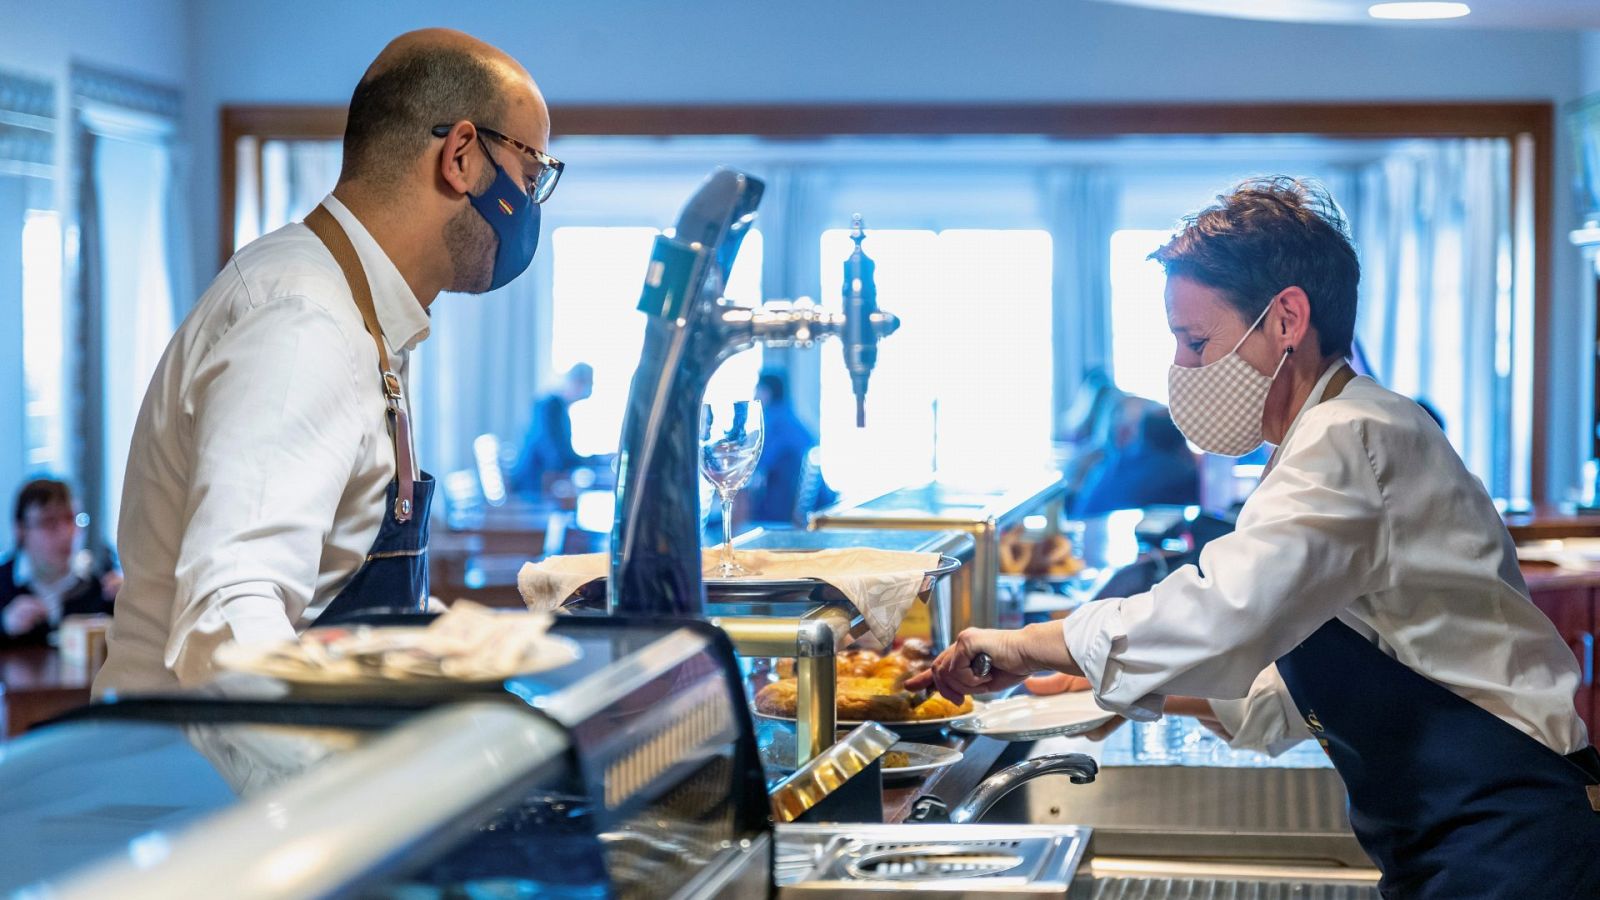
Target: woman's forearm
[1043, 646]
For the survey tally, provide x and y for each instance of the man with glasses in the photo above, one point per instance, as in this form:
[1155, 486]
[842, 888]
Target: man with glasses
[49, 576]
[271, 481]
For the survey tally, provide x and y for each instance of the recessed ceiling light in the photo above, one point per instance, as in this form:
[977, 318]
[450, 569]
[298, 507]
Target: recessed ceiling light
[1418, 10]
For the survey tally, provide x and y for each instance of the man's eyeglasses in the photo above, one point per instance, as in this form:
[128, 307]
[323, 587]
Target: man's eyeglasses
[547, 169]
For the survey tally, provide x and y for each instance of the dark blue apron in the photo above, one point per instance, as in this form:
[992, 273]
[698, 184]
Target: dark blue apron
[1448, 799]
[394, 576]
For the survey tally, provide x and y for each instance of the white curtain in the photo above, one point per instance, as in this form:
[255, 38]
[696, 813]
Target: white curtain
[1082, 205]
[479, 370]
[127, 216]
[1433, 227]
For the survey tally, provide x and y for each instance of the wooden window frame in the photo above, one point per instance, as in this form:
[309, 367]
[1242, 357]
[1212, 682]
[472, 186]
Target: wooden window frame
[1529, 126]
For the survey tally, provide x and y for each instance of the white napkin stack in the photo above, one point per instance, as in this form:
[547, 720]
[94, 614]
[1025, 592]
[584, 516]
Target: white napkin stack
[880, 583]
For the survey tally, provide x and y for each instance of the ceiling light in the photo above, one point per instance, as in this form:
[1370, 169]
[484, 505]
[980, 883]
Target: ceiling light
[1418, 10]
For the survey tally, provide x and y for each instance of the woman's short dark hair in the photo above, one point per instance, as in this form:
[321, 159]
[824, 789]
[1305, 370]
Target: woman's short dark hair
[1268, 234]
[41, 492]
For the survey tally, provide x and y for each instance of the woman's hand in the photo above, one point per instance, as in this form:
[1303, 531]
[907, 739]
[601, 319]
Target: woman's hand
[1013, 655]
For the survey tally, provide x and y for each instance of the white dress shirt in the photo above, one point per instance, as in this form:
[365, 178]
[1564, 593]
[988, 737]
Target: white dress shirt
[260, 458]
[1368, 516]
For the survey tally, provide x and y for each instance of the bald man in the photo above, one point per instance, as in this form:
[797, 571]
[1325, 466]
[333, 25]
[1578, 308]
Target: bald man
[271, 481]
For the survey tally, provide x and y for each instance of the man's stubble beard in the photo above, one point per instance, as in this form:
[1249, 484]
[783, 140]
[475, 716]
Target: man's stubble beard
[471, 244]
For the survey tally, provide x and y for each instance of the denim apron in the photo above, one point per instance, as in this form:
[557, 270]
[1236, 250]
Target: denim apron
[394, 577]
[1448, 799]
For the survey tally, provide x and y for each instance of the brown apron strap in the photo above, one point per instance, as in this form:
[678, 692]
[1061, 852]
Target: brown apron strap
[332, 234]
[1335, 384]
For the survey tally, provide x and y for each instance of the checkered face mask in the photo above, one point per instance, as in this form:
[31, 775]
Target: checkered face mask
[1219, 406]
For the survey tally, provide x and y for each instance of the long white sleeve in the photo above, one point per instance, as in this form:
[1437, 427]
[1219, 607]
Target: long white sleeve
[277, 433]
[1266, 719]
[1311, 540]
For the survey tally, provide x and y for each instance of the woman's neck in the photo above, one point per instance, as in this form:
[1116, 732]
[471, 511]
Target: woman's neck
[1291, 392]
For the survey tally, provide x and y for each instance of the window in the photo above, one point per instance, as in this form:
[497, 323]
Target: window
[594, 319]
[43, 365]
[964, 387]
[1141, 345]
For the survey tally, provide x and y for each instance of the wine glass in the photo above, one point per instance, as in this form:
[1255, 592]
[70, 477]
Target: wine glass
[731, 435]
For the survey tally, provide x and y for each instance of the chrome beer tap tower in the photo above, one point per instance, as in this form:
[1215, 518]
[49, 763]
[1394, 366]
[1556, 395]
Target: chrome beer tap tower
[691, 329]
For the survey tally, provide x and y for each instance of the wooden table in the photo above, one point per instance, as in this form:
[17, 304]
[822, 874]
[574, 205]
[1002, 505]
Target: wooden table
[1548, 521]
[35, 686]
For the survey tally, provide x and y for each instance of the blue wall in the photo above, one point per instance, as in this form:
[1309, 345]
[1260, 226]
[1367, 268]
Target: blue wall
[724, 51]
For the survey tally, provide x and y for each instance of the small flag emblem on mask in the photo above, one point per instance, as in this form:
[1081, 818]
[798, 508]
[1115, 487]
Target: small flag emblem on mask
[506, 207]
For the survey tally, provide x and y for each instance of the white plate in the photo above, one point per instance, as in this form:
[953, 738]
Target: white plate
[551, 653]
[908, 728]
[923, 758]
[1028, 718]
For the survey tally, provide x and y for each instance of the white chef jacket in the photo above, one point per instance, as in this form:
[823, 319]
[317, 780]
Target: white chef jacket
[1369, 516]
[260, 458]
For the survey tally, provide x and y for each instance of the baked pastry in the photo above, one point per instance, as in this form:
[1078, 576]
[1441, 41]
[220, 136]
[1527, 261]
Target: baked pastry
[893, 668]
[896, 759]
[937, 707]
[857, 663]
[1014, 552]
[915, 649]
[872, 699]
[780, 698]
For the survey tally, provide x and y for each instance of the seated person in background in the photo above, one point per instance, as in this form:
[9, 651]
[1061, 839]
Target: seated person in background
[1149, 464]
[547, 450]
[774, 489]
[49, 576]
[1086, 429]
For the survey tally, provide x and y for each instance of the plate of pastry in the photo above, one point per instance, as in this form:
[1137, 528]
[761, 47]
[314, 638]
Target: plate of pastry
[868, 688]
[908, 760]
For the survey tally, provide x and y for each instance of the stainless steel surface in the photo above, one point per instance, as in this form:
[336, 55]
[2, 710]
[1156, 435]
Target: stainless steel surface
[723, 595]
[946, 594]
[1201, 884]
[928, 860]
[690, 329]
[1200, 813]
[831, 768]
[813, 641]
[1079, 768]
[740, 871]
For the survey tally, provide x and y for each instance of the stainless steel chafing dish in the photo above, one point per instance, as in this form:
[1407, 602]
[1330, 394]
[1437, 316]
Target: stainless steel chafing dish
[981, 513]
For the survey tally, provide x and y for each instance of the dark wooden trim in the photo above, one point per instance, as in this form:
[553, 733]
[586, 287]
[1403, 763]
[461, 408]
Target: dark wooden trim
[1535, 119]
[1060, 120]
[269, 122]
[1546, 329]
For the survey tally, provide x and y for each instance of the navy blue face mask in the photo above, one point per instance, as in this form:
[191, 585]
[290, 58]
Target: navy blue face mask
[515, 219]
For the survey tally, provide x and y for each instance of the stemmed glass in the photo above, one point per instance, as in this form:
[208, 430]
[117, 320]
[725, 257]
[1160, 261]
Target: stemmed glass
[731, 435]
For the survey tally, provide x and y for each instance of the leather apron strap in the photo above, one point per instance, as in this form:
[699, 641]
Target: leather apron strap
[333, 236]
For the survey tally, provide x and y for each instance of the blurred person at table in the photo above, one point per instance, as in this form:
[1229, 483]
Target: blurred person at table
[547, 454]
[1148, 464]
[773, 494]
[271, 481]
[50, 574]
[1369, 597]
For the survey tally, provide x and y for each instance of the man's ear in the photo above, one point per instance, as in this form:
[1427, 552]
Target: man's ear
[459, 160]
[1290, 319]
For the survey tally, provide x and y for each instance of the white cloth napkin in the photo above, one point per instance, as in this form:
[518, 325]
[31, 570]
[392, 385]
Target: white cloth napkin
[880, 583]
